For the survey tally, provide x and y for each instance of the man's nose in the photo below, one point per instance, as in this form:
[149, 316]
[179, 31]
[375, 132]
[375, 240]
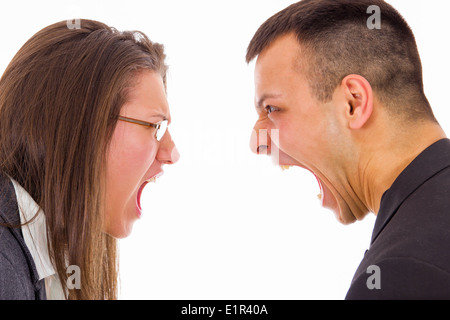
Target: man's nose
[260, 141]
[168, 152]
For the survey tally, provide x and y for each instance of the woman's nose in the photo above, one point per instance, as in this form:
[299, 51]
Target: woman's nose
[168, 152]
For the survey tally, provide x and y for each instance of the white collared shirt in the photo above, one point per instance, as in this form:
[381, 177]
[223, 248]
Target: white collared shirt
[35, 236]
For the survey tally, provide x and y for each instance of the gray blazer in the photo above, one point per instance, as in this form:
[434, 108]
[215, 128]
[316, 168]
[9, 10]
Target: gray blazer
[19, 279]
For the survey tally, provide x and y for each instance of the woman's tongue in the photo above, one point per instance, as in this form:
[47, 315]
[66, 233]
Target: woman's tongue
[141, 188]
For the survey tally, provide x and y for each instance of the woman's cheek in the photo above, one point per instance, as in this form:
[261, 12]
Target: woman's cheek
[141, 159]
[139, 148]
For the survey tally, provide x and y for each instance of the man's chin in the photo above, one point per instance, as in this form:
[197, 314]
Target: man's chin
[345, 219]
[340, 209]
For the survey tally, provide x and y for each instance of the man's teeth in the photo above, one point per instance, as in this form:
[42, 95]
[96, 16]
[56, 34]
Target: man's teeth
[319, 196]
[284, 167]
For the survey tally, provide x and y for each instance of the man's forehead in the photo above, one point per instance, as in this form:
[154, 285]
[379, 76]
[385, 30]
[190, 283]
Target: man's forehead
[284, 51]
[278, 64]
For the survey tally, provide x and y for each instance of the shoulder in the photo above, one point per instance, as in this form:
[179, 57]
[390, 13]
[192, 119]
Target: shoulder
[15, 269]
[401, 278]
[15, 276]
[410, 258]
[431, 200]
[420, 227]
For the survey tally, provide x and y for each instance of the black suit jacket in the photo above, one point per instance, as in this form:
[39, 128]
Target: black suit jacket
[410, 246]
[19, 279]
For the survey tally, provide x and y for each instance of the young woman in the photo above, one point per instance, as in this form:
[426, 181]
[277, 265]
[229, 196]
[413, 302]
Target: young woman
[83, 128]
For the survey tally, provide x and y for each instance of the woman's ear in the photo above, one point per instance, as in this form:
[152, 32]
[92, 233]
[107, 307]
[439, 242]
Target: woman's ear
[359, 98]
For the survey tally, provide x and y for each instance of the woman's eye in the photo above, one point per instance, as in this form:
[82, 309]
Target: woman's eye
[270, 109]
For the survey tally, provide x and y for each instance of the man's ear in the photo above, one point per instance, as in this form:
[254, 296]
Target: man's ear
[359, 97]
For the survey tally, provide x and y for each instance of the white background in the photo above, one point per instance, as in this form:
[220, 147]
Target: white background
[223, 223]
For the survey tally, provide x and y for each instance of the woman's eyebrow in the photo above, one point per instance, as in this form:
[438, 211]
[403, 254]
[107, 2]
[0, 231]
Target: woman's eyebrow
[160, 115]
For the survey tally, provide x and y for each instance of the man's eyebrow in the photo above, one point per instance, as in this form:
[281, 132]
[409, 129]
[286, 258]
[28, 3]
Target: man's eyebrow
[260, 102]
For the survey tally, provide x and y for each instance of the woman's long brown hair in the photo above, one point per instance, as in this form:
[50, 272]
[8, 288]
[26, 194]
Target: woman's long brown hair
[59, 100]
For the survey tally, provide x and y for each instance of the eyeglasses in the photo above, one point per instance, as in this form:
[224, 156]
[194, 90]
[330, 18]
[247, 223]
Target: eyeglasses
[161, 127]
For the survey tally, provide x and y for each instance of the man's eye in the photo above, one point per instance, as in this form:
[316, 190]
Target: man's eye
[270, 109]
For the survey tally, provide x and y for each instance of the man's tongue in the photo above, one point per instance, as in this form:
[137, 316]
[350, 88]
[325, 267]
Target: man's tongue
[320, 195]
[327, 200]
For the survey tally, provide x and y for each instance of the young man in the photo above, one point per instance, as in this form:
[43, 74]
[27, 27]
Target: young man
[340, 81]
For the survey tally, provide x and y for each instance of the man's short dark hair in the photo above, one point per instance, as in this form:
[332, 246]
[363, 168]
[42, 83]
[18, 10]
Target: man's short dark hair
[335, 41]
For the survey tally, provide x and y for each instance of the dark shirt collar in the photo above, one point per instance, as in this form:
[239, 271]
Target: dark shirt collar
[432, 160]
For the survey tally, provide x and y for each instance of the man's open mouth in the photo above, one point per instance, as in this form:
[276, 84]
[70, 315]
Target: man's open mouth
[320, 195]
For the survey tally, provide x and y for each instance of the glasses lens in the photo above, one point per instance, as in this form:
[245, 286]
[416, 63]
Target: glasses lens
[162, 130]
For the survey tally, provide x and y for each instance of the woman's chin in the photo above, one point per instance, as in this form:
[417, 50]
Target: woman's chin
[121, 228]
[119, 233]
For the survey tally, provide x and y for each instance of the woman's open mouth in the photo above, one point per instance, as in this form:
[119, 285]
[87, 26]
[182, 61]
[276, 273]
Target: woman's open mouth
[141, 188]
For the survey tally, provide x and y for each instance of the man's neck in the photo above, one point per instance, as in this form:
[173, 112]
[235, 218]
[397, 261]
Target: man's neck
[384, 164]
